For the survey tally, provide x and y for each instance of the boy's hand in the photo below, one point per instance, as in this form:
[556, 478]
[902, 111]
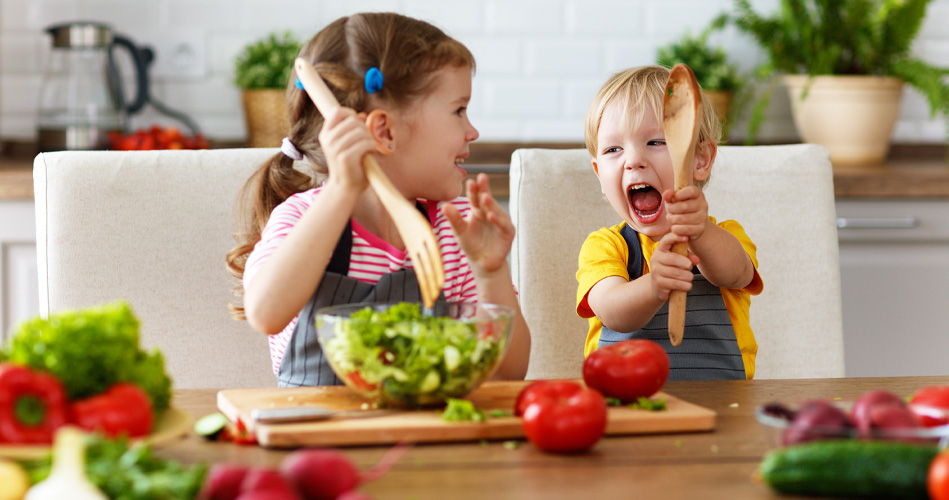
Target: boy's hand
[668, 270]
[346, 140]
[687, 212]
[487, 233]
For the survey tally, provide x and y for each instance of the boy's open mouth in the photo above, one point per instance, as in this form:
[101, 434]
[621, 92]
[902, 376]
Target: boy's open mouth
[645, 200]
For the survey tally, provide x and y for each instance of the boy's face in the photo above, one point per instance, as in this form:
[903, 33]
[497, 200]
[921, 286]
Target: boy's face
[635, 168]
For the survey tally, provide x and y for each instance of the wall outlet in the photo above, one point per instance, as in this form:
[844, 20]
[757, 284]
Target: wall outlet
[179, 54]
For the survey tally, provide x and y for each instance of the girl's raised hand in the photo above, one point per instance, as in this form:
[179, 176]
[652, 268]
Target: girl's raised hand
[346, 140]
[486, 233]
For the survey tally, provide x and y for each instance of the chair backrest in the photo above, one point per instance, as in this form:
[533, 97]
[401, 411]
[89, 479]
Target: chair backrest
[152, 227]
[782, 195]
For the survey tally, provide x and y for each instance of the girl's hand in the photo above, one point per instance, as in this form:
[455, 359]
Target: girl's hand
[668, 270]
[346, 140]
[687, 212]
[487, 233]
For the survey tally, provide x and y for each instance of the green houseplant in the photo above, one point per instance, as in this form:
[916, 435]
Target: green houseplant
[720, 79]
[261, 71]
[863, 45]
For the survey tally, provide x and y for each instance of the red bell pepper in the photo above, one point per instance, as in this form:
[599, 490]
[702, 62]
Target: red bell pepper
[33, 405]
[123, 409]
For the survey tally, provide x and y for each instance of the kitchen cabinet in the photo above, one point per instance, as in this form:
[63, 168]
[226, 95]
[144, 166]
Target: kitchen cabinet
[19, 290]
[894, 266]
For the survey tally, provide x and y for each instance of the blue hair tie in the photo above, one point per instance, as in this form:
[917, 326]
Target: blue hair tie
[299, 84]
[373, 80]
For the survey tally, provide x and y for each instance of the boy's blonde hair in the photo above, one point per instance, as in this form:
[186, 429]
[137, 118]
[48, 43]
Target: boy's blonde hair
[643, 88]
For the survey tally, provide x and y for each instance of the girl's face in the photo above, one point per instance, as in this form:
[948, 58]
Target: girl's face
[634, 168]
[432, 138]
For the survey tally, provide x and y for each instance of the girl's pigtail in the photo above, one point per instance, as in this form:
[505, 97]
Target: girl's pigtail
[272, 183]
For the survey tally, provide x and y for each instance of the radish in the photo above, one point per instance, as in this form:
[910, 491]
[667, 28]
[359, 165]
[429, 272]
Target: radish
[223, 482]
[270, 481]
[269, 495]
[354, 495]
[325, 474]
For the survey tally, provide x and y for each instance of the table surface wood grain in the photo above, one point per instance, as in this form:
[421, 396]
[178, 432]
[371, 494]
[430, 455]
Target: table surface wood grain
[707, 465]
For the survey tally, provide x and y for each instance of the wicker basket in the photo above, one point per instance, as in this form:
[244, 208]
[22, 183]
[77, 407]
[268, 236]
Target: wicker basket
[265, 113]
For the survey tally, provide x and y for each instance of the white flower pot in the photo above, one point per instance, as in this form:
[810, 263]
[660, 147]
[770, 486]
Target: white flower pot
[852, 116]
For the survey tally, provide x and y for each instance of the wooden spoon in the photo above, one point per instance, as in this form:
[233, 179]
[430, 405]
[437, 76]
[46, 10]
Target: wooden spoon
[681, 116]
[416, 232]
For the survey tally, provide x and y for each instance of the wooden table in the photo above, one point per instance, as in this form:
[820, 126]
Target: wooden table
[709, 465]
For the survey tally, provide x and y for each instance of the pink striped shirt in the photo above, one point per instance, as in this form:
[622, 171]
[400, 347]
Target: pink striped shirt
[371, 257]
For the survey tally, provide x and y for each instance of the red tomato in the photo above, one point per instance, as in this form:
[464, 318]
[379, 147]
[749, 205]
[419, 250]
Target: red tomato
[564, 419]
[937, 482]
[627, 370]
[123, 409]
[931, 405]
[543, 389]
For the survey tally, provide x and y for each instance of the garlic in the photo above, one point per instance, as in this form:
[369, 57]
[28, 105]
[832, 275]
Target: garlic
[13, 481]
[67, 478]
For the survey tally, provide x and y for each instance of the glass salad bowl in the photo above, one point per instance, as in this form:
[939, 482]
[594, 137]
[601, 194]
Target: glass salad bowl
[398, 356]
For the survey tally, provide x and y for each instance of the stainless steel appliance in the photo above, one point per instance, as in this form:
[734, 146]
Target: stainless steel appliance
[81, 98]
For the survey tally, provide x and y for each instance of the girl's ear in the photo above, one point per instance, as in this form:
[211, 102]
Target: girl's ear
[704, 157]
[380, 124]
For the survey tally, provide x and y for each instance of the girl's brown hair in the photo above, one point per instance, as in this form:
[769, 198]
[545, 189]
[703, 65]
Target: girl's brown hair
[640, 89]
[407, 52]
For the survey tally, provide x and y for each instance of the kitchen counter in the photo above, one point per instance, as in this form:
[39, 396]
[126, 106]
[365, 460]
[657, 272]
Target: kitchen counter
[917, 172]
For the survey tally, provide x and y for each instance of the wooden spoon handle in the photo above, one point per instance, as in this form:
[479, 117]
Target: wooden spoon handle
[326, 102]
[677, 304]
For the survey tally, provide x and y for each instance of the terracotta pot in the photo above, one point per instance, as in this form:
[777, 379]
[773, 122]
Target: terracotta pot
[722, 101]
[265, 113]
[852, 116]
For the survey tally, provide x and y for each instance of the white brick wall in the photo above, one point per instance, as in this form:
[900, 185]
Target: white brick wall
[539, 61]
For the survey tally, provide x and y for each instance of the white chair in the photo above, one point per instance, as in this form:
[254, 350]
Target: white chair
[152, 227]
[782, 195]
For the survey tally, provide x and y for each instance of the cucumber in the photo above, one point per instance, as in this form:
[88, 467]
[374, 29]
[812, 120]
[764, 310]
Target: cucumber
[850, 468]
[210, 426]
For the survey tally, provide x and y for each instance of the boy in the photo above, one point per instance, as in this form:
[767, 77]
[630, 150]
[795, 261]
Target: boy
[626, 272]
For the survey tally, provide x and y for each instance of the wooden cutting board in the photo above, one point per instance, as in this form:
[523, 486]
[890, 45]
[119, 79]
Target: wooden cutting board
[427, 425]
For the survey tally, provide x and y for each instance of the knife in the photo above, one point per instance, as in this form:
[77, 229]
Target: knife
[308, 414]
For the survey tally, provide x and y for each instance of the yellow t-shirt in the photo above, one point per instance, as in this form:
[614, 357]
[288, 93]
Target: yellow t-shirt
[604, 253]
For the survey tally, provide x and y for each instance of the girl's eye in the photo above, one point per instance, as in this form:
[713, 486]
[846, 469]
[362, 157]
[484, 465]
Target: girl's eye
[460, 111]
[657, 142]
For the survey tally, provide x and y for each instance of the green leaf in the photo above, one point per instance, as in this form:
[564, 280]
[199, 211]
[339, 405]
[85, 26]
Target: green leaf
[267, 63]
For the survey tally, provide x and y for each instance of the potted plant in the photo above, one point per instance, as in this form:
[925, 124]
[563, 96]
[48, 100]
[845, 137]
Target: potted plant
[845, 63]
[720, 79]
[262, 70]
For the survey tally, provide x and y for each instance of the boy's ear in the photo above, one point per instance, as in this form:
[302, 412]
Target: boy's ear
[704, 157]
[380, 124]
[596, 168]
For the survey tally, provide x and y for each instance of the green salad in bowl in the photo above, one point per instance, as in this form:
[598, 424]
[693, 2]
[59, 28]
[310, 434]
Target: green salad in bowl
[398, 356]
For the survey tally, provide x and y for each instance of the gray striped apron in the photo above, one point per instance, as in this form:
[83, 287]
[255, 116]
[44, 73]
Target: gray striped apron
[303, 362]
[709, 349]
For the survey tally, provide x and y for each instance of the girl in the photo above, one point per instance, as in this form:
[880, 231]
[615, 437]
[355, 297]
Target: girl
[404, 86]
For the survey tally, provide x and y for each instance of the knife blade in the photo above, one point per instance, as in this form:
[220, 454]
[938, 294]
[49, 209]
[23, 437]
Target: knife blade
[308, 414]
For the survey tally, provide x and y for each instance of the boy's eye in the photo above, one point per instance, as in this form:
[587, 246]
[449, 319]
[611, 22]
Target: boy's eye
[460, 111]
[657, 142]
[610, 150]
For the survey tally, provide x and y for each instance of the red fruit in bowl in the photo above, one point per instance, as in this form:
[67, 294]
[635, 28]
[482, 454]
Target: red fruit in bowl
[860, 413]
[889, 417]
[815, 420]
